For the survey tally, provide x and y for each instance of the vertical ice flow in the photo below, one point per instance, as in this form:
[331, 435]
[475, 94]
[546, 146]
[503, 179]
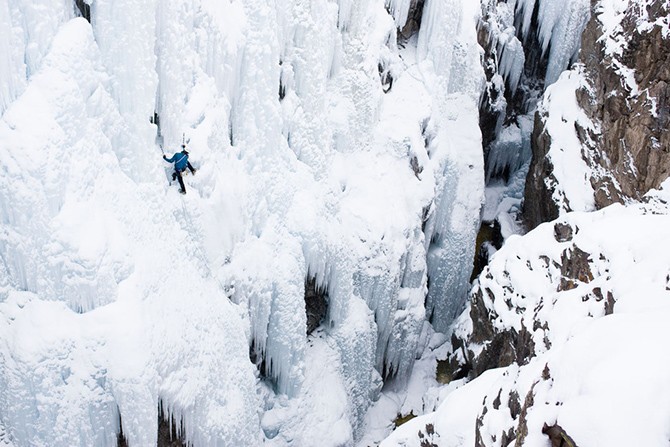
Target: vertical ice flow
[308, 166]
[447, 40]
[560, 26]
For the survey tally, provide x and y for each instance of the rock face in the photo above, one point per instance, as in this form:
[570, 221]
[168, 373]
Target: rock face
[538, 204]
[626, 98]
[413, 19]
[630, 99]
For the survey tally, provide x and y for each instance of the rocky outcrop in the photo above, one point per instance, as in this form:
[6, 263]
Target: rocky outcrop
[499, 348]
[516, 407]
[538, 205]
[413, 19]
[537, 335]
[624, 105]
[630, 100]
[558, 436]
[509, 322]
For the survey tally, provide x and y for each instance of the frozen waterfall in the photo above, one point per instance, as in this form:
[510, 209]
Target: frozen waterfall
[324, 150]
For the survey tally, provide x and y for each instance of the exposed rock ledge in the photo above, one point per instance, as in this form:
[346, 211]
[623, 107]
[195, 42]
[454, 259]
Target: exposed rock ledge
[625, 99]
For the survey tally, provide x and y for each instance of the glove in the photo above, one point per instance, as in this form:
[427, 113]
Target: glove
[164, 157]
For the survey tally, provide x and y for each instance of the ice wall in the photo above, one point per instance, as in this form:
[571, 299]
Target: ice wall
[11, 65]
[308, 166]
[67, 249]
[28, 27]
[511, 150]
[455, 148]
[125, 33]
[105, 324]
[511, 56]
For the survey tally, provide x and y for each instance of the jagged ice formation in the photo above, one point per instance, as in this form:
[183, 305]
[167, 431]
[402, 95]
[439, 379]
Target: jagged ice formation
[117, 295]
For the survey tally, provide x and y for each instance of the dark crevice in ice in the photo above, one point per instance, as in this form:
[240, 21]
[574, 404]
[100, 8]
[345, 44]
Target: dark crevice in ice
[169, 433]
[83, 9]
[316, 304]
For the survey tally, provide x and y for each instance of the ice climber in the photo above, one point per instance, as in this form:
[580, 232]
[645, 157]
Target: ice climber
[180, 160]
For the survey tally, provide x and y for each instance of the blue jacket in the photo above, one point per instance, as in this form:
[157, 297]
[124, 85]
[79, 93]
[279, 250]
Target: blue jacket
[180, 160]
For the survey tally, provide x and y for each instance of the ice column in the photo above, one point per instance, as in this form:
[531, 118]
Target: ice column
[125, 31]
[560, 29]
[26, 31]
[448, 45]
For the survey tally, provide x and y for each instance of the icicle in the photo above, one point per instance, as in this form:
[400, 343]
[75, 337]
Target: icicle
[510, 151]
[560, 26]
[344, 13]
[399, 9]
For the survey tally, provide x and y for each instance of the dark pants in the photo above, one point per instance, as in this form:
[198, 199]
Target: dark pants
[176, 175]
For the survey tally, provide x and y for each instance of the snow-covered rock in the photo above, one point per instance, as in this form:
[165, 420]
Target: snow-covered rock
[600, 132]
[565, 313]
